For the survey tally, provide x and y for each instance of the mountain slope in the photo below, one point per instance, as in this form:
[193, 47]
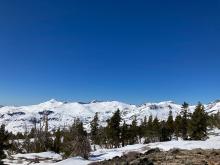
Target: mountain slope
[61, 114]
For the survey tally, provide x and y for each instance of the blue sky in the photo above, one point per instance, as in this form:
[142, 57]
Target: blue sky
[131, 51]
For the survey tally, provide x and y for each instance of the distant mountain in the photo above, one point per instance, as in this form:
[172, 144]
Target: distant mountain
[61, 114]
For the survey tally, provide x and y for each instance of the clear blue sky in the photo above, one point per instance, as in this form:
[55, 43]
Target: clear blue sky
[131, 51]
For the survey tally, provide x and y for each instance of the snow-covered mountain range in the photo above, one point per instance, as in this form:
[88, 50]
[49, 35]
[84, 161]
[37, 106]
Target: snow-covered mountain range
[61, 114]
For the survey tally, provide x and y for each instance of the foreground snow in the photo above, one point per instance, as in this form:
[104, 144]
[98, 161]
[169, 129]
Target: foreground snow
[50, 155]
[74, 161]
[24, 159]
[51, 158]
[105, 154]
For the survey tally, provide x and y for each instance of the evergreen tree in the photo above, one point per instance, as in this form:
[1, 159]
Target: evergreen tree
[142, 128]
[134, 131]
[149, 130]
[145, 122]
[4, 137]
[103, 135]
[57, 141]
[156, 129]
[95, 129]
[124, 134]
[150, 122]
[76, 142]
[177, 127]
[198, 123]
[114, 130]
[214, 120]
[184, 120]
[170, 124]
[165, 132]
[217, 120]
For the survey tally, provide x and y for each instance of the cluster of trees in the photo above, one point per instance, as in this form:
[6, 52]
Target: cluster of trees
[4, 142]
[72, 141]
[186, 125]
[214, 120]
[75, 141]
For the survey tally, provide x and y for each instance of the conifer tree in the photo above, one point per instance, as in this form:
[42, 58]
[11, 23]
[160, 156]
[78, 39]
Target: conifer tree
[124, 134]
[170, 124]
[145, 122]
[103, 135]
[76, 142]
[177, 127]
[198, 123]
[217, 120]
[165, 132]
[95, 129]
[114, 130]
[142, 128]
[4, 137]
[57, 141]
[184, 120]
[149, 130]
[156, 129]
[134, 131]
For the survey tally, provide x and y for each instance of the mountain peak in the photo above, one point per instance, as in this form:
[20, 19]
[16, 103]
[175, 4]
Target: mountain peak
[167, 102]
[52, 100]
[95, 101]
[217, 101]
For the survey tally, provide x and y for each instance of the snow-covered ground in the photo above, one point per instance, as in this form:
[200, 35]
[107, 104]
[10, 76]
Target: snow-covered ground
[23, 159]
[104, 154]
[60, 114]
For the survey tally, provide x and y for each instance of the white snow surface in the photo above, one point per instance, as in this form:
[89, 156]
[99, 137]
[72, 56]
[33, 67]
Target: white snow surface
[51, 155]
[213, 142]
[61, 114]
[105, 154]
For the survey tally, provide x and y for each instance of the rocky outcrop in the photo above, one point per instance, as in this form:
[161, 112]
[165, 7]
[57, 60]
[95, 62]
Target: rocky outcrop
[171, 157]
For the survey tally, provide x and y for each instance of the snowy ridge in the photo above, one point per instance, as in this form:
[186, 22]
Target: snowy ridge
[61, 114]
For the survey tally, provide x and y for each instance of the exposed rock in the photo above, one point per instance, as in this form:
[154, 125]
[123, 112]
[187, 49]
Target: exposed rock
[171, 157]
[154, 150]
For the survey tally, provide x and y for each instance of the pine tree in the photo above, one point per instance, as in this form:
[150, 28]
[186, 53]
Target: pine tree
[149, 130]
[156, 129]
[114, 130]
[145, 122]
[142, 128]
[95, 129]
[81, 145]
[170, 124]
[57, 141]
[217, 120]
[165, 132]
[184, 120]
[134, 131]
[177, 127]
[76, 142]
[124, 134]
[4, 137]
[103, 135]
[198, 123]
[150, 121]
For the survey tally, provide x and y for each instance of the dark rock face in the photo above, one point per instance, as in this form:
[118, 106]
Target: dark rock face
[16, 113]
[150, 151]
[46, 112]
[171, 157]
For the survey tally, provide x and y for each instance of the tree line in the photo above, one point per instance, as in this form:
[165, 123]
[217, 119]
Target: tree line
[76, 141]
[186, 125]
